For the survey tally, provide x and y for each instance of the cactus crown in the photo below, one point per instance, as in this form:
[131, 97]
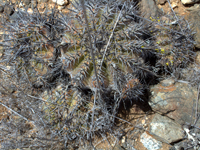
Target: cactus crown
[50, 56]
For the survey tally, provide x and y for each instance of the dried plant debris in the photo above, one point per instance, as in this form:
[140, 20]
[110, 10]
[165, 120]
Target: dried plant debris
[65, 95]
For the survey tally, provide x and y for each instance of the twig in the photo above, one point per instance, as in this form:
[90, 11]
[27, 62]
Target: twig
[111, 37]
[196, 114]
[14, 112]
[94, 65]
[175, 16]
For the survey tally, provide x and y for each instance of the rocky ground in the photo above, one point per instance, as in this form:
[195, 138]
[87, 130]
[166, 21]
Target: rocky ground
[174, 122]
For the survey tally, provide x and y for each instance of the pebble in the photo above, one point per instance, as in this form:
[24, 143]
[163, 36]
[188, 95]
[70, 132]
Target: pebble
[161, 2]
[1, 9]
[61, 2]
[149, 142]
[9, 10]
[186, 2]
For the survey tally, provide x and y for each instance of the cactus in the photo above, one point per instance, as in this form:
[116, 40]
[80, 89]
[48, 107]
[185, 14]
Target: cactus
[73, 97]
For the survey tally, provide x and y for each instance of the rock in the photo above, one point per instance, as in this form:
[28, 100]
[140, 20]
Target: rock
[149, 142]
[167, 82]
[42, 6]
[194, 19]
[1, 8]
[30, 11]
[21, 5]
[166, 129]
[197, 60]
[61, 7]
[61, 2]
[186, 2]
[196, 6]
[149, 8]
[174, 5]
[9, 10]
[177, 101]
[161, 2]
[14, 16]
[44, 1]
[26, 2]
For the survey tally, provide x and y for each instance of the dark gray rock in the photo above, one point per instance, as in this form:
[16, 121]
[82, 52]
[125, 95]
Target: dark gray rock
[177, 101]
[44, 1]
[149, 8]
[194, 19]
[26, 2]
[9, 10]
[1, 8]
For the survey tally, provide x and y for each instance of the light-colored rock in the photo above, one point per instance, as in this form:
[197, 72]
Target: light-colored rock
[174, 4]
[186, 2]
[167, 82]
[21, 5]
[192, 8]
[61, 2]
[166, 129]
[61, 7]
[149, 142]
[30, 11]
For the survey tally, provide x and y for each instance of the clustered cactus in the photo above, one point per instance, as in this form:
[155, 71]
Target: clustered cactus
[61, 94]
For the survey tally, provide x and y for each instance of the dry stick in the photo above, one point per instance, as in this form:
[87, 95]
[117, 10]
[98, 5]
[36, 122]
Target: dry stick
[92, 54]
[175, 16]
[196, 115]
[40, 99]
[111, 37]
[14, 112]
[105, 138]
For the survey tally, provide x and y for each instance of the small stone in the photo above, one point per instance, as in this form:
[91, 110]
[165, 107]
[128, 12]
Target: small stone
[26, 2]
[198, 58]
[61, 2]
[21, 5]
[196, 6]
[30, 10]
[34, 4]
[51, 6]
[44, 1]
[1, 8]
[174, 5]
[194, 18]
[149, 8]
[167, 82]
[123, 139]
[186, 2]
[61, 7]
[161, 2]
[9, 10]
[41, 7]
